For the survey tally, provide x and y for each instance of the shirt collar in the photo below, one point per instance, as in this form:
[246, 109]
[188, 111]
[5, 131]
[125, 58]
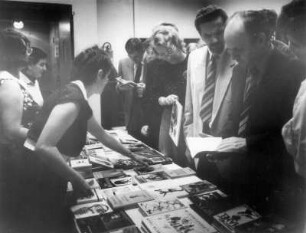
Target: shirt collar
[26, 80]
[80, 84]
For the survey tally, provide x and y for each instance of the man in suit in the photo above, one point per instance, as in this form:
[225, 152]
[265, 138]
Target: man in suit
[208, 92]
[256, 154]
[130, 69]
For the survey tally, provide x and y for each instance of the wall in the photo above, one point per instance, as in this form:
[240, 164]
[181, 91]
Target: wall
[115, 18]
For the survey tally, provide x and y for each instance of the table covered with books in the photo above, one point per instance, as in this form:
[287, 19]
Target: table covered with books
[163, 197]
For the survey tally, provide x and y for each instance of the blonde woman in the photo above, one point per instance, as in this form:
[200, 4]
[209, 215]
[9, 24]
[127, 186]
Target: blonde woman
[165, 83]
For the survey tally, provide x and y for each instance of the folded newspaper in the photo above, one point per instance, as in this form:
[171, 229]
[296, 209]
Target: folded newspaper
[197, 145]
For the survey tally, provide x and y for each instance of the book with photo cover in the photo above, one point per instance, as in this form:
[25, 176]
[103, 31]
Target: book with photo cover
[183, 220]
[158, 206]
[126, 200]
[199, 187]
[155, 176]
[268, 224]
[149, 169]
[90, 209]
[230, 220]
[91, 224]
[180, 172]
[169, 188]
[88, 199]
[126, 164]
[210, 203]
[117, 221]
[176, 122]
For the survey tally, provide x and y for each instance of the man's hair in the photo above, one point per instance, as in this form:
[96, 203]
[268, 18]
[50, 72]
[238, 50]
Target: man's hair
[87, 64]
[292, 19]
[256, 22]
[208, 14]
[134, 45]
[36, 55]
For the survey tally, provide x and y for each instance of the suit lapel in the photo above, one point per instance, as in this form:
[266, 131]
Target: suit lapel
[222, 83]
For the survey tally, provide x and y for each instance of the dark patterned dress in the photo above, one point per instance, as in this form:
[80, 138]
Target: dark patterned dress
[163, 79]
[12, 162]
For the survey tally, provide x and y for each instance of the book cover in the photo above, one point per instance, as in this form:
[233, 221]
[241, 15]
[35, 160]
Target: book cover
[180, 172]
[199, 187]
[80, 164]
[159, 206]
[108, 173]
[230, 219]
[107, 193]
[90, 209]
[128, 199]
[126, 164]
[122, 180]
[91, 224]
[91, 198]
[118, 221]
[268, 224]
[155, 176]
[169, 188]
[176, 122]
[197, 145]
[149, 169]
[210, 203]
[184, 220]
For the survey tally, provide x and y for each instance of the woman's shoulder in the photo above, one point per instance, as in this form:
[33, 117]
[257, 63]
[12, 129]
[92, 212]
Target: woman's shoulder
[6, 76]
[69, 93]
[8, 82]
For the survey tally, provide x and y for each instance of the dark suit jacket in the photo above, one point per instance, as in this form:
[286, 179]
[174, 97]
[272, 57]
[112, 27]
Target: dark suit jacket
[270, 110]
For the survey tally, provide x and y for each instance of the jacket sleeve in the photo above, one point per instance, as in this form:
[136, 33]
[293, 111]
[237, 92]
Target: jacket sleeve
[188, 110]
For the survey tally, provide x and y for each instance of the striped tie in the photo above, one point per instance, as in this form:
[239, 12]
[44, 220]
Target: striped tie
[208, 97]
[250, 87]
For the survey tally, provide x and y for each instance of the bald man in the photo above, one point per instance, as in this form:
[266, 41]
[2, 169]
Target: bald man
[256, 155]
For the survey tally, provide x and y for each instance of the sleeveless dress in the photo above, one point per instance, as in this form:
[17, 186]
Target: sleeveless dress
[48, 188]
[12, 161]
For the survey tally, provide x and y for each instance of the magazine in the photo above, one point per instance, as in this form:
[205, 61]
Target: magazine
[184, 220]
[176, 122]
[159, 206]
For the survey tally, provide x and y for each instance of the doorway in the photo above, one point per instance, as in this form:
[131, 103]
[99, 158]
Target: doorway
[48, 27]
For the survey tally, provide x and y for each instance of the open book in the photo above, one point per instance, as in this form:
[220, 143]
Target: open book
[202, 144]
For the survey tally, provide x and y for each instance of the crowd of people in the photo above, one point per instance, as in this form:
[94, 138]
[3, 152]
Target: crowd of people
[243, 82]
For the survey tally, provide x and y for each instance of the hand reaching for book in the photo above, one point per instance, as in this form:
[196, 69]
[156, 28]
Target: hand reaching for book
[81, 187]
[140, 159]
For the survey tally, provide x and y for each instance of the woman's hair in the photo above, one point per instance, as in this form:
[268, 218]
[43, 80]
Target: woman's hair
[36, 55]
[13, 49]
[87, 64]
[166, 34]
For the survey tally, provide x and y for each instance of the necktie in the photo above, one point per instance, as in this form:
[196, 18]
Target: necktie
[138, 73]
[208, 97]
[250, 88]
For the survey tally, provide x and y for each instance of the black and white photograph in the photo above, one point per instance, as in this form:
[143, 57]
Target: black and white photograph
[166, 98]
